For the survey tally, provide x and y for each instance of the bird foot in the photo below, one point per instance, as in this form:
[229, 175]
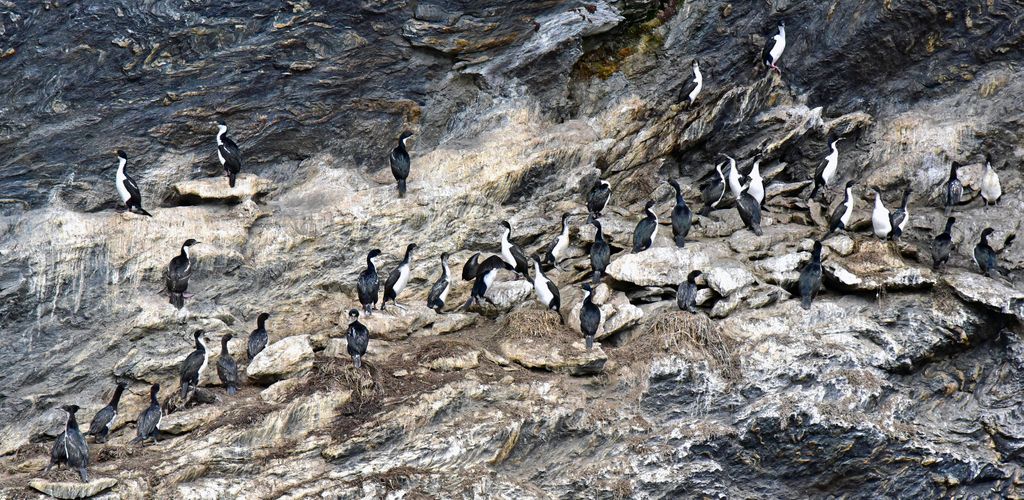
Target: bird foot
[121, 209]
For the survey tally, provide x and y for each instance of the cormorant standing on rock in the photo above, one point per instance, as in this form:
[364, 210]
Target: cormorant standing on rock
[682, 217]
[546, 290]
[258, 339]
[105, 418]
[470, 267]
[713, 191]
[368, 284]
[646, 230]
[598, 198]
[398, 278]
[554, 252]
[193, 366]
[590, 317]
[178, 273]
[750, 211]
[773, 48]
[810, 278]
[985, 255]
[881, 224]
[358, 338]
[686, 294]
[693, 88]
[485, 274]
[991, 190]
[827, 168]
[70, 447]
[439, 292]
[147, 425]
[942, 244]
[900, 216]
[227, 151]
[512, 254]
[843, 212]
[954, 189]
[127, 188]
[400, 162]
[600, 253]
[227, 369]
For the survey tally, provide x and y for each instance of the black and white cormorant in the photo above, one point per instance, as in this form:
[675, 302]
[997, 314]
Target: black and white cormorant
[810, 278]
[693, 87]
[147, 425]
[991, 190]
[590, 317]
[512, 254]
[439, 291]
[470, 267]
[227, 369]
[713, 191]
[485, 274]
[646, 230]
[70, 447]
[368, 284]
[826, 170]
[358, 338]
[755, 186]
[773, 48]
[400, 162]
[193, 366]
[178, 273]
[942, 245]
[556, 249]
[686, 294]
[258, 339]
[398, 279]
[104, 419]
[750, 211]
[735, 184]
[881, 222]
[954, 189]
[227, 151]
[598, 198]
[127, 188]
[900, 216]
[841, 215]
[546, 290]
[682, 217]
[600, 253]
[985, 255]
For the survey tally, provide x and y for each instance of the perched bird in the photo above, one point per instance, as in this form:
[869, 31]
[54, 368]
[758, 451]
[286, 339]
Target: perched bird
[127, 188]
[105, 418]
[193, 366]
[750, 211]
[227, 151]
[600, 253]
[713, 191]
[756, 185]
[985, 255]
[827, 168]
[400, 162]
[470, 267]
[682, 217]
[358, 338]
[398, 278]
[598, 198]
[991, 190]
[900, 216]
[258, 339]
[512, 254]
[178, 273]
[686, 294]
[810, 278]
[485, 275]
[556, 249]
[841, 215]
[646, 230]
[954, 189]
[590, 317]
[227, 369]
[942, 244]
[734, 177]
[694, 87]
[70, 447]
[368, 284]
[439, 292]
[880, 223]
[147, 425]
[773, 48]
[546, 290]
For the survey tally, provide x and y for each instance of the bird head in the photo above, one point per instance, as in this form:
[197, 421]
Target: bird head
[596, 223]
[986, 232]
[122, 155]
[410, 247]
[71, 409]
[444, 256]
[263, 317]
[565, 216]
[586, 288]
[693, 275]
[373, 253]
[649, 205]
[849, 184]
[154, 389]
[122, 385]
[674, 184]
[817, 247]
[694, 64]
[222, 123]
[189, 242]
[505, 224]
[353, 314]
[226, 338]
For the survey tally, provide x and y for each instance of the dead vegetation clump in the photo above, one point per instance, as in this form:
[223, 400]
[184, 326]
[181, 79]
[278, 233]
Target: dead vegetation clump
[242, 416]
[112, 452]
[532, 323]
[692, 335]
[441, 349]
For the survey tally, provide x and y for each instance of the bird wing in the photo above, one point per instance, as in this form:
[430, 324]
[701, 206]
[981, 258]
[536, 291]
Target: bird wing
[837, 216]
[178, 273]
[227, 370]
[232, 155]
[400, 162]
[191, 364]
[436, 289]
[554, 291]
[896, 218]
[389, 285]
[148, 421]
[101, 419]
[133, 188]
[522, 264]
[642, 233]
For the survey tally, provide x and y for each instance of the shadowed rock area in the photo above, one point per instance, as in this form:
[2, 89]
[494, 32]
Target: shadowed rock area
[900, 381]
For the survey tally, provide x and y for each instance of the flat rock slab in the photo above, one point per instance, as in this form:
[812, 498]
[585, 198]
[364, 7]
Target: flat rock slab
[727, 277]
[875, 266]
[665, 266]
[73, 490]
[568, 357]
[216, 189]
[181, 422]
[283, 359]
[989, 292]
[397, 324]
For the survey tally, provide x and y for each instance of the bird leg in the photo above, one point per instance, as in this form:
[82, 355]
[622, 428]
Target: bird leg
[121, 209]
[400, 306]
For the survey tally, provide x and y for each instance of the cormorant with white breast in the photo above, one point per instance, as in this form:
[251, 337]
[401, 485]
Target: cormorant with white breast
[590, 317]
[954, 189]
[598, 198]
[178, 273]
[810, 278]
[600, 253]
[105, 418]
[400, 162]
[554, 251]
[439, 292]
[546, 290]
[881, 225]
[470, 267]
[358, 338]
[682, 217]
[985, 255]
[827, 168]
[193, 366]
[942, 244]
[773, 48]
[756, 184]
[693, 88]
[734, 177]
[147, 425]
[227, 369]
[900, 216]
[228, 152]
[841, 216]
[646, 230]
[368, 284]
[398, 278]
[713, 191]
[258, 339]
[991, 190]
[485, 274]
[686, 294]
[512, 254]
[127, 188]
[750, 211]
[70, 447]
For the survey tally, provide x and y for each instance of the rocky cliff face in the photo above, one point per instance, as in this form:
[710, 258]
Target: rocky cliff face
[901, 381]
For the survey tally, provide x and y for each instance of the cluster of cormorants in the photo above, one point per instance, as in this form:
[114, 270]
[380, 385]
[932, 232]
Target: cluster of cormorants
[71, 448]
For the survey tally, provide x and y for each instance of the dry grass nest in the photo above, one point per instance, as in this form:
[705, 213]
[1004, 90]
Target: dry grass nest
[694, 336]
[331, 373]
[441, 349]
[533, 323]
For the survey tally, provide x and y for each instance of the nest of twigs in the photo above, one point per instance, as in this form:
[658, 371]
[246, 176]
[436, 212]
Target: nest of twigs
[694, 336]
[532, 323]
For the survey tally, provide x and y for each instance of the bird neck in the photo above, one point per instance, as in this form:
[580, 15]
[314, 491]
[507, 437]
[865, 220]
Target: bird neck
[408, 257]
[651, 214]
[878, 200]
[200, 345]
[117, 395]
[369, 263]
[849, 194]
[565, 227]
[445, 272]
[949, 227]
[816, 255]
[152, 398]
[221, 130]
[588, 298]
[756, 170]
[906, 199]
[600, 234]
[121, 162]
[952, 172]
[72, 423]
[184, 252]
[260, 321]
[224, 346]
[536, 269]
[782, 32]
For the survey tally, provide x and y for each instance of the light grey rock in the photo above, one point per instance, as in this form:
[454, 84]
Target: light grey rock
[286, 358]
[664, 266]
[727, 277]
[73, 489]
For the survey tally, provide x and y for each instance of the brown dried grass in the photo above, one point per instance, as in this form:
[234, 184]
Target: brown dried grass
[692, 335]
[532, 323]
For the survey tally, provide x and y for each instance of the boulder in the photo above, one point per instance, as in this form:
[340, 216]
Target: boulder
[70, 489]
[280, 392]
[665, 266]
[181, 422]
[569, 357]
[988, 292]
[617, 313]
[749, 244]
[727, 277]
[216, 189]
[396, 323]
[875, 266]
[783, 270]
[283, 359]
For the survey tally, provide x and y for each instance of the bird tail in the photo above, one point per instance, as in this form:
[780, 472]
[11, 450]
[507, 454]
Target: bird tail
[401, 187]
[357, 360]
[680, 240]
[590, 342]
[756, 229]
[177, 300]
[136, 440]
[596, 278]
[144, 212]
[232, 390]
[184, 390]
[948, 209]
[805, 303]
[1009, 241]
[705, 210]
[231, 179]
[814, 192]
